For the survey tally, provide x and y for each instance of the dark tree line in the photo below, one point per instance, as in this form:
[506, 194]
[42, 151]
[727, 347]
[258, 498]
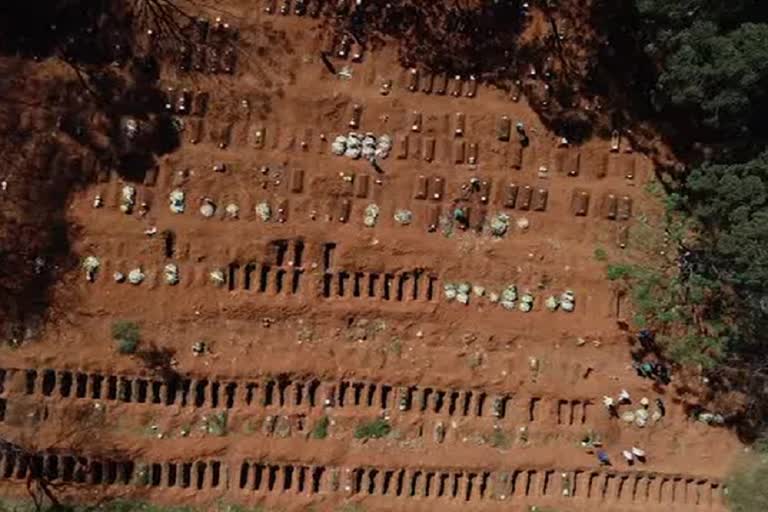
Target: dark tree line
[71, 73]
[707, 92]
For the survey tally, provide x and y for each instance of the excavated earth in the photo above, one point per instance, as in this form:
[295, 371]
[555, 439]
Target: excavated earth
[321, 316]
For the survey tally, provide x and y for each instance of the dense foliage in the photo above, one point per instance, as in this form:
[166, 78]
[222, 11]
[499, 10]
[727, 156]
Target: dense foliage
[712, 74]
[711, 64]
[710, 93]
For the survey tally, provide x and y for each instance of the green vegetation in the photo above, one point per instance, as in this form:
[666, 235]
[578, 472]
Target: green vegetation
[619, 271]
[711, 59]
[126, 335]
[748, 488]
[112, 506]
[216, 424]
[320, 429]
[680, 308]
[600, 254]
[761, 444]
[731, 202]
[240, 508]
[120, 506]
[375, 429]
[712, 77]
[705, 66]
[499, 439]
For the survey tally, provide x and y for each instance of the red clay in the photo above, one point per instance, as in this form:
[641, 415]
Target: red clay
[553, 367]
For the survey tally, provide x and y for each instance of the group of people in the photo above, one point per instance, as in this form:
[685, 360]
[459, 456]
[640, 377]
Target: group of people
[592, 442]
[646, 369]
[631, 455]
[650, 369]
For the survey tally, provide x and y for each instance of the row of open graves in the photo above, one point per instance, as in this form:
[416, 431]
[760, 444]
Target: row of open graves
[287, 392]
[264, 477]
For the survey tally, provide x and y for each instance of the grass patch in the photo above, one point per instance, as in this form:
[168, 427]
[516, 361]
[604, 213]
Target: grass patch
[748, 488]
[320, 430]
[616, 272]
[112, 506]
[127, 336]
[375, 429]
[249, 427]
[216, 424]
[672, 306]
[684, 308]
[351, 507]
[761, 444]
[499, 439]
[137, 506]
[600, 254]
[240, 508]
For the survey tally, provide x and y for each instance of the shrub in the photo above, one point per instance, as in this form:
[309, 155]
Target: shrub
[320, 430]
[373, 429]
[619, 271]
[127, 346]
[127, 336]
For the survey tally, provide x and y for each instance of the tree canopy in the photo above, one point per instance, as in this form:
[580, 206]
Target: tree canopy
[710, 62]
[721, 78]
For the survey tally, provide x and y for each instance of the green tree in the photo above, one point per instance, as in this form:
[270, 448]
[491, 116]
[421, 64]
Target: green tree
[722, 79]
[670, 14]
[731, 202]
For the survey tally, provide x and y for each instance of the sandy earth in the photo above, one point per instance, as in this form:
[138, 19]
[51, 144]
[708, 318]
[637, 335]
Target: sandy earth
[315, 300]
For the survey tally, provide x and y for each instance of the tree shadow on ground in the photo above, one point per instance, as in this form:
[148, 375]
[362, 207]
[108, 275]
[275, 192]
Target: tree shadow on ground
[448, 37]
[160, 361]
[72, 73]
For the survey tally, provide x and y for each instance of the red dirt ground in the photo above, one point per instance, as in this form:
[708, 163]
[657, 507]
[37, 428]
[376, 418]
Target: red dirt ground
[553, 381]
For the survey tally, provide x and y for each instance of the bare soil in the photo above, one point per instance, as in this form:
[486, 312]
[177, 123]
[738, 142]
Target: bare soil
[321, 316]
